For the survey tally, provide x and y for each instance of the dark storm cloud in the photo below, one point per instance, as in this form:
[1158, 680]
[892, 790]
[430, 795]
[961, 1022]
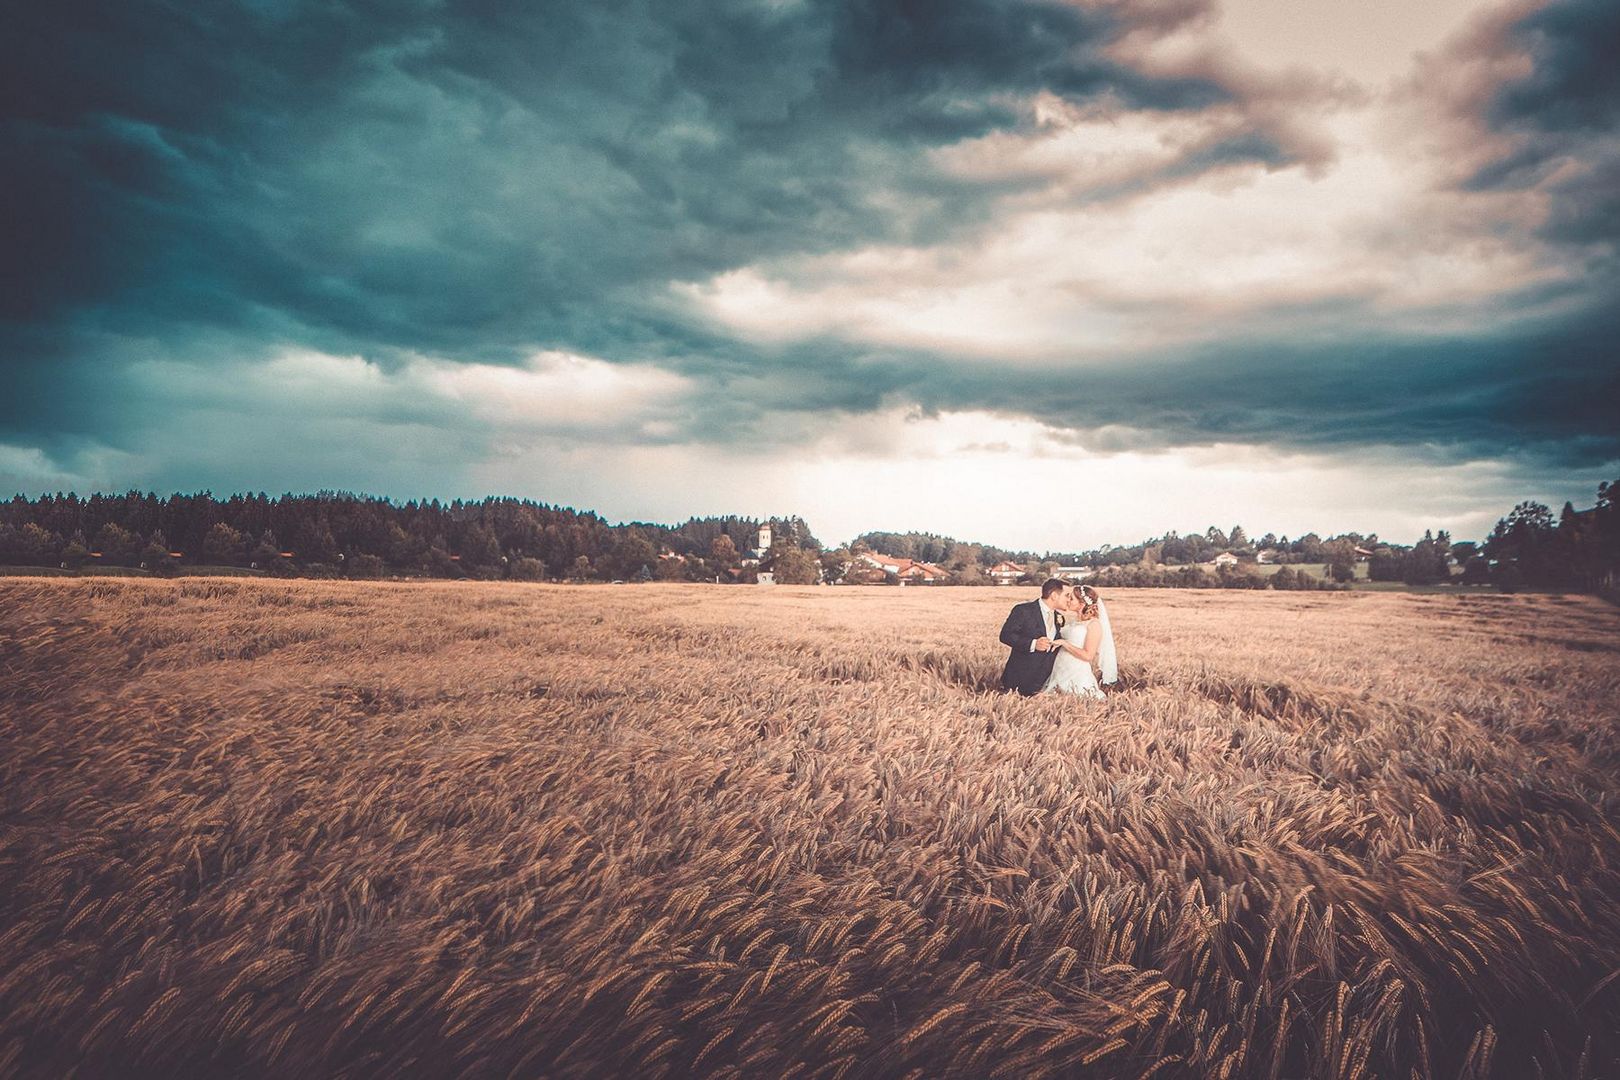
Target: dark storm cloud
[1575, 82]
[1565, 112]
[205, 184]
[475, 180]
[1544, 393]
[484, 179]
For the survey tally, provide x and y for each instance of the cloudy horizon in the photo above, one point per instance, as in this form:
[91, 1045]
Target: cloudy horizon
[1039, 274]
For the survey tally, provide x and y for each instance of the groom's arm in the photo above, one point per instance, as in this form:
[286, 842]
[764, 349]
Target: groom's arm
[1018, 637]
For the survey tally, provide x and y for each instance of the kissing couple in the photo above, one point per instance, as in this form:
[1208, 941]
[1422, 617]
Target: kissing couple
[1055, 639]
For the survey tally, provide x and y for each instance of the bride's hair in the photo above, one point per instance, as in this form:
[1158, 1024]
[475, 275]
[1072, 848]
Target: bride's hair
[1088, 601]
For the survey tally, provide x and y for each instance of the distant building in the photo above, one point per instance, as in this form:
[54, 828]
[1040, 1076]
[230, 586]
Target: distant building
[1225, 558]
[1266, 556]
[1005, 573]
[909, 571]
[1076, 573]
[758, 555]
[766, 578]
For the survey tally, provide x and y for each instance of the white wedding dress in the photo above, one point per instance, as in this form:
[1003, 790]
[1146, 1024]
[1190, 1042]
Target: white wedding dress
[1073, 676]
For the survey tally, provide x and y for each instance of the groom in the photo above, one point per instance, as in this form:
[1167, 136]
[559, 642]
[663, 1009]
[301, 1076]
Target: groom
[1031, 632]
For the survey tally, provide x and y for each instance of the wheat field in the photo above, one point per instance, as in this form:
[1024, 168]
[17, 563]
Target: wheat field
[461, 829]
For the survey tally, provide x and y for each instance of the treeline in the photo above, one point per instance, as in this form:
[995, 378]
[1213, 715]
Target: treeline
[1338, 553]
[1578, 550]
[1224, 577]
[332, 534]
[939, 550]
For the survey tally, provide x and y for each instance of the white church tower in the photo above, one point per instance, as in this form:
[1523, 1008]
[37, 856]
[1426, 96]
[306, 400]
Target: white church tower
[765, 577]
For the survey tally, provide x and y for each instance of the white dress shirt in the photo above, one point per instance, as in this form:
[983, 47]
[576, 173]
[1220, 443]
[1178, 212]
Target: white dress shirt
[1051, 622]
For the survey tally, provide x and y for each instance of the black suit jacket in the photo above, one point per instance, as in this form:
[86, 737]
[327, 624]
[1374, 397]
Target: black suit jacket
[1026, 671]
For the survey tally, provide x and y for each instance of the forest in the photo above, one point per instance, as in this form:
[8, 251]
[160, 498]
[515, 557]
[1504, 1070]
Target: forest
[340, 534]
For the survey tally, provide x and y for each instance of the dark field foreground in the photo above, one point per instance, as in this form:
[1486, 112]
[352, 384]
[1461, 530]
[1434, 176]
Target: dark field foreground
[315, 829]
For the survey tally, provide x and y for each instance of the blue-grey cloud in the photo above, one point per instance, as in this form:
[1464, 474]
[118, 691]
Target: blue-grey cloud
[455, 177]
[1564, 119]
[208, 184]
[482, 179]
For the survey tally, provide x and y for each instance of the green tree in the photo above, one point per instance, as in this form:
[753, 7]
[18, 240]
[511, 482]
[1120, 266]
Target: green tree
[223, 546]
[723, 551]
[403, 549]
[266, 554]
[479, 548]
[794, 566]
[633, 552]
[40, 546]
[363, 565]
[1523, 540]
[527, 569]
[969, 574]
[75, 552]
[155, 555]
[834, 561]
[1425, 563]
[1387, 564]
[860, 572]
[440, 564]
[118, 546]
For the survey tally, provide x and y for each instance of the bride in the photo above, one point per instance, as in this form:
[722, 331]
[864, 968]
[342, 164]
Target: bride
[1085, 636]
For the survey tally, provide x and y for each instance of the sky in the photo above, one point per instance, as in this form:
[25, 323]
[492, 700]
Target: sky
[1041, 273]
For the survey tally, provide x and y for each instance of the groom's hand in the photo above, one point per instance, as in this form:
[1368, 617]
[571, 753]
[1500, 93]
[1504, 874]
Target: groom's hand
[1043, 644]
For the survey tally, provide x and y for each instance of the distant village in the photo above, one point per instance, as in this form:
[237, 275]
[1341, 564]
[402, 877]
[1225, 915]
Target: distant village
[862, 564]
[876, 568]
[339, 534]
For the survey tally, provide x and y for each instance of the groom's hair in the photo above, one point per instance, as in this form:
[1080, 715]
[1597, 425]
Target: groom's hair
[1053, 585]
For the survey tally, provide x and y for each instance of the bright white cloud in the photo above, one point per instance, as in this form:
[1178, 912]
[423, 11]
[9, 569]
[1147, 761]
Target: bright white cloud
[552, 392]
[1111, 246]
[1020, 484]
[560, 390]
[574, 430]
[1369, 40]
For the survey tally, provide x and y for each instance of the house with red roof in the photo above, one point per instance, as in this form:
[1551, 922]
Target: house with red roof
[1005, 573]
[909, 571]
